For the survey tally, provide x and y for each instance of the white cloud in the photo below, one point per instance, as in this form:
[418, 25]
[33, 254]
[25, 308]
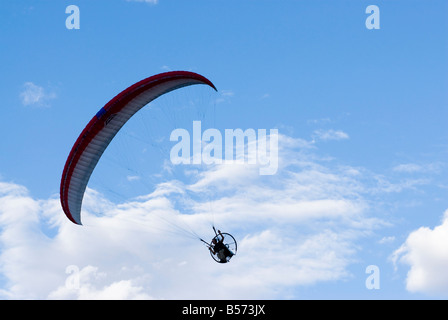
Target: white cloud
[225, 96]
[408, 167]
[133, 178]
[83, 284]
[426, 252]
[34, 95]
[146, 1]
[319, 121]
[298, 227]
[320, 257]
[331, 134]
[387, 240]
[418, 168]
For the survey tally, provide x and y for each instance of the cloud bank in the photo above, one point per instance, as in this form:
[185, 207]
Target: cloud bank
[298, 228]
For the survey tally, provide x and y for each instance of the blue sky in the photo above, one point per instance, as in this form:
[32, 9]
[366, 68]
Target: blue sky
[362, 145]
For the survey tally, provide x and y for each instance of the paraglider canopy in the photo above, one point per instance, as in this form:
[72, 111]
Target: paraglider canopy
[99, 132]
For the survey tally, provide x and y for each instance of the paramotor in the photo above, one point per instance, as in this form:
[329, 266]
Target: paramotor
[222, 247]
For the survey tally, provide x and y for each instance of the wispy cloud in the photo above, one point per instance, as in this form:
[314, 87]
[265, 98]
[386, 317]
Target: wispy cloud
[148, 253]
[225, 96]
[34, 95]
[418, 168]
[300, 227]
[330, 134]
[319, 121]
[146, 1]
[408, 167]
